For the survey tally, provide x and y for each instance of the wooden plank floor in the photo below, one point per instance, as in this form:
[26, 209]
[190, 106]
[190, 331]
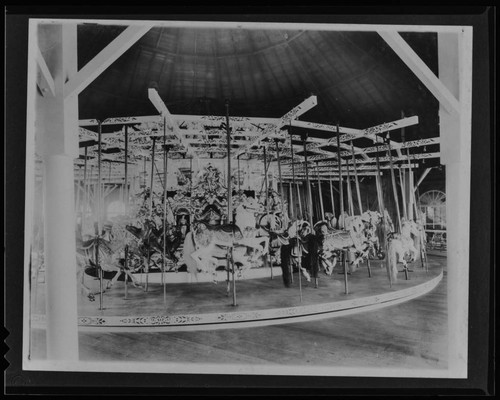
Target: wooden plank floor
[409, 335]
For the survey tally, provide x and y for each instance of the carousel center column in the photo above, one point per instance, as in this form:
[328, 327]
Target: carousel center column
[57, 140]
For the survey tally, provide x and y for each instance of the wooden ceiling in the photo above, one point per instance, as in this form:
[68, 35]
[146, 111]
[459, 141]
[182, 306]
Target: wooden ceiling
[358, 82]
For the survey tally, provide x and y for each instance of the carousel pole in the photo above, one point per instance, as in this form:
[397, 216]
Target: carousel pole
[165, 166]
[382, 208]
[331, 195]
[341, 217]
[190, 191]
[393, 180]
[299, 251]
[412, 202]
[239, 178]
[125, 265]
[266, 166]
[79, 188]
[98, 225]
[358, 192]
[85, 195]
[151, 193]
[292, 205]
[320, 193]
[341, 187]
[349, 190]
[309, 195]
[395, 193]
[229, 201]
[403, 195]
[301, 213]
[279, 174]
[125, 188]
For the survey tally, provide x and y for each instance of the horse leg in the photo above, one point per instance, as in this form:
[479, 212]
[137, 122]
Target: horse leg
[305, 274]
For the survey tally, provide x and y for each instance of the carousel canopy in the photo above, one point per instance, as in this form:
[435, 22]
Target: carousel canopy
[301, 90]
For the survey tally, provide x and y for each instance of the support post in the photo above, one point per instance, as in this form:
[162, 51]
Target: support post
[55, 125]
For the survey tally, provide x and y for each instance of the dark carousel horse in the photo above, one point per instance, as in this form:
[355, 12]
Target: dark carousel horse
[298, 251]
[151, 239]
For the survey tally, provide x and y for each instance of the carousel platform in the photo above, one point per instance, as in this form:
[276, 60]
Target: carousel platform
[260, 300]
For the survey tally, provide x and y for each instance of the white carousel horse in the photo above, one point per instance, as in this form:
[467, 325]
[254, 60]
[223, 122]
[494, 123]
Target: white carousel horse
[205, 248]
[359, 238]
[403, 245]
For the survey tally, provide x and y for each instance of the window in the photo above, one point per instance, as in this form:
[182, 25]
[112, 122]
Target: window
[433, 206]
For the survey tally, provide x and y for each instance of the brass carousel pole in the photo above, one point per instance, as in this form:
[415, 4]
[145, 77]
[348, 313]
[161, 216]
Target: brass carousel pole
[266, 166]
[299, 253]
[98, 236]
[341, 186]
[341, 217]
[125, 189]
[349, 189]
[358, 192]
[309, 195]
[165, 166]
[382, 207]
[85, 195]
[151, 193]
[331, 195]
[292, 204]
[229, 202]
[320, 193]
[393, 180]
[85, 202]
[279, 174]
[301, 212]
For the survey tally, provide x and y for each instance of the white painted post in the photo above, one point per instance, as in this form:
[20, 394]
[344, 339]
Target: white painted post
[56, 130]
[455, 72]
[60, 259]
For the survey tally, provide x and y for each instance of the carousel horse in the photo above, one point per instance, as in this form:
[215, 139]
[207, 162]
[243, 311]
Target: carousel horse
[151, 240]
[359, 239]
[331, 221]
[206, 248]
[109, 261]
[294, 249]
[404, 247]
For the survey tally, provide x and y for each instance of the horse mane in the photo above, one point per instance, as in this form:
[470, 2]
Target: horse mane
[226, 228]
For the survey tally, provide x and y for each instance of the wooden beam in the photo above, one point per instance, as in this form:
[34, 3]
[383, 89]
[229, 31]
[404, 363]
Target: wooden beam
[381, 147]
[424, 174]
[302, 108]
[104, 59]
[45, 81]
[155, 98]
[421, 70]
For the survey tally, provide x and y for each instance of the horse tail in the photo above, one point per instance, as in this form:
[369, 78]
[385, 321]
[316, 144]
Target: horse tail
[189, 248]
[392, 267]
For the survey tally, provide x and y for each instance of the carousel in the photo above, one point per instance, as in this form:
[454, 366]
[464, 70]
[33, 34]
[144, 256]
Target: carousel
[214, 221]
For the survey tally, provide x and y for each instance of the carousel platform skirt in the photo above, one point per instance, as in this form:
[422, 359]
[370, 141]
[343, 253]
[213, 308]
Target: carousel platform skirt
[262, 300]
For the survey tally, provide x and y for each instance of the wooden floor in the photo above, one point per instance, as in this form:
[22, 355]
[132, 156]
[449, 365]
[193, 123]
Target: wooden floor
[410, 335]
